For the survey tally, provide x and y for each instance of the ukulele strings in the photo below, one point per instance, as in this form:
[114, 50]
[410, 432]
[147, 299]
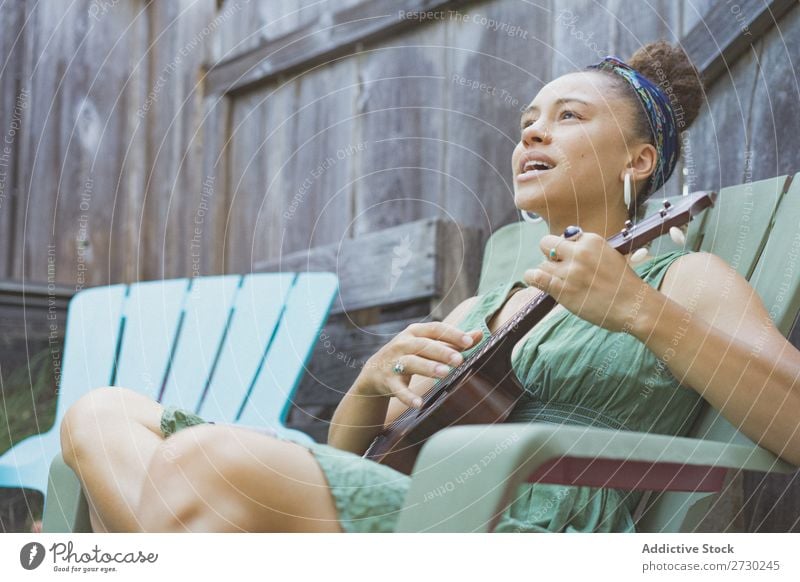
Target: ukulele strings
[458, 371]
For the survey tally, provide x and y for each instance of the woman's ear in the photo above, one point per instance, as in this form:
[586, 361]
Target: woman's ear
[643, 162]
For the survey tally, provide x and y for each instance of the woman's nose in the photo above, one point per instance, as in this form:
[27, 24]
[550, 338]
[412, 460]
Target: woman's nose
[535, 133]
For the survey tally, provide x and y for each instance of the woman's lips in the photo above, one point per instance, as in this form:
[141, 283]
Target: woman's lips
[531, 175]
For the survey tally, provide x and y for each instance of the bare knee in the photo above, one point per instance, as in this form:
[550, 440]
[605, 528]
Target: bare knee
[97, 414]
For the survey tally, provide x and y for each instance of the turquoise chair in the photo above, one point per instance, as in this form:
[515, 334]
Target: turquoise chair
[753, 227]
[230, 348]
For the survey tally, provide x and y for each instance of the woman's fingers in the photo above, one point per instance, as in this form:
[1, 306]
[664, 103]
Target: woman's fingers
[424, 367]
[431, 350]
[441, 331]
[545, 281]
[400, 390]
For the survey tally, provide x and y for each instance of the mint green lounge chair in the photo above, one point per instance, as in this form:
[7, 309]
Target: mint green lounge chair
[752, 227]
[230, 348]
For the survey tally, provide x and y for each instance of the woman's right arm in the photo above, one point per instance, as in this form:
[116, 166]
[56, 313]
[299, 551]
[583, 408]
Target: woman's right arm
[379, 395]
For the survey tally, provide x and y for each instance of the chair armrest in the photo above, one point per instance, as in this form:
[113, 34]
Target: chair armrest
[465, 476]
[66, 508]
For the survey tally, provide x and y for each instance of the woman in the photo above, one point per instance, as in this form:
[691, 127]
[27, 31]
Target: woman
[593, 145]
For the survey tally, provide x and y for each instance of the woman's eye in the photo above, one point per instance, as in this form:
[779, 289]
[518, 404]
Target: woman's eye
[575, 115]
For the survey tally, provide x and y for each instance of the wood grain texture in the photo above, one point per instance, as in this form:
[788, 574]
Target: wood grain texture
[728, 30]
[338, 30]
[493, 72]
[403, 92]
[774, 143]
[400, 266]
[711, 161]
[173, 113]
[13, 103]
[73, 149]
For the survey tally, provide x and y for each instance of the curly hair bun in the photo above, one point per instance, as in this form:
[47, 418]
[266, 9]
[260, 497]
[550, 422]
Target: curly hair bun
[669, 67]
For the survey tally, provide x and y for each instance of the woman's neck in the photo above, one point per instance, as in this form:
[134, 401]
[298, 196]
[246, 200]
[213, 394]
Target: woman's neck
[606, 223]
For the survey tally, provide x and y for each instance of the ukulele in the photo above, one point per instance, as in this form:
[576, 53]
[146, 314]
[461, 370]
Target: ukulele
[484, 389]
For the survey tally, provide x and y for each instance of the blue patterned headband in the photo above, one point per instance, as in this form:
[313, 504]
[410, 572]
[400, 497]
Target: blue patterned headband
[663, 126]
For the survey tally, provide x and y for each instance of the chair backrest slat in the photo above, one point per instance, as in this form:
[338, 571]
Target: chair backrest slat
[737, 227]
[256, 313]
[90, 344]
[740, 230]
[777, 274]
[306, 309]
[206, 316]
[152, 315]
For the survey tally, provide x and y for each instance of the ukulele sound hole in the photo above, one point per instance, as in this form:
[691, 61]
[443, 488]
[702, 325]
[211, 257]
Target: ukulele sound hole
[433, 399]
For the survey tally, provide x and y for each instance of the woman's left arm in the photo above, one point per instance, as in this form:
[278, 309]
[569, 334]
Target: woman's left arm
[707, 324]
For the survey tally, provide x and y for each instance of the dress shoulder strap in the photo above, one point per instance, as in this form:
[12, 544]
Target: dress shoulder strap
[653, 271]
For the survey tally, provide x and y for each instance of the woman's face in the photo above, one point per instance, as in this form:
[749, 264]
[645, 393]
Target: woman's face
[577, 125]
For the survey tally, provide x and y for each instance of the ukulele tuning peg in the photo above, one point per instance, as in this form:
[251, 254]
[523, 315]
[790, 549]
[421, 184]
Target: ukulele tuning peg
[677, 236]
[639, 255]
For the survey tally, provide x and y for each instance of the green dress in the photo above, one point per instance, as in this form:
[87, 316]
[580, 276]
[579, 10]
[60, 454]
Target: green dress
[573, 372]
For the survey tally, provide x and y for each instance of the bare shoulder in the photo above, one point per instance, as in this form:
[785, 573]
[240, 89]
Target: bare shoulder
[706, 283]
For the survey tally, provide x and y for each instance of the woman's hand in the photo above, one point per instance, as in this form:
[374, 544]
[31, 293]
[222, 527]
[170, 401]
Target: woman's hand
[428, 349]
[591, 279]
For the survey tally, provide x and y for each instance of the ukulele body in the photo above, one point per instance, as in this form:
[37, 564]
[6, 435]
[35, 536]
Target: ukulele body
[485, 395]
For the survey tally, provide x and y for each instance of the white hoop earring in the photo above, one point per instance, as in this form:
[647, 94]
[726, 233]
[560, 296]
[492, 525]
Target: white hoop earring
[531, 217]
[627, 190]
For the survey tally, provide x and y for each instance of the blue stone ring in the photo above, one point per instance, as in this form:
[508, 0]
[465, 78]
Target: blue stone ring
[570, 233]
[573, 232]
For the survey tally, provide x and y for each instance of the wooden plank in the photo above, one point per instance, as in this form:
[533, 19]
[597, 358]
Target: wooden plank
[716, 151]
[325, 149]
[13, 105]
[76, 70]
[403, 94]
[693, 12]
[172, 113]
[726, 33]
[212, 205]
[247, 179]
[399, 267]
[772, 137]
[245, 24]
[34, 295]
[490, 78]
[458, 262]
[333, 35]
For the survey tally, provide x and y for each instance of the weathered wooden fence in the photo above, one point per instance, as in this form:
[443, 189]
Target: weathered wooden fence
[188, 137]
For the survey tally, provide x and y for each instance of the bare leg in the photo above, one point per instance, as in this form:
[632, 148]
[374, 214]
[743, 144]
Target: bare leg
[108, 438]
[221, 478]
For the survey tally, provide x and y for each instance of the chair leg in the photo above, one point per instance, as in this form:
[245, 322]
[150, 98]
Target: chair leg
[65, 508]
